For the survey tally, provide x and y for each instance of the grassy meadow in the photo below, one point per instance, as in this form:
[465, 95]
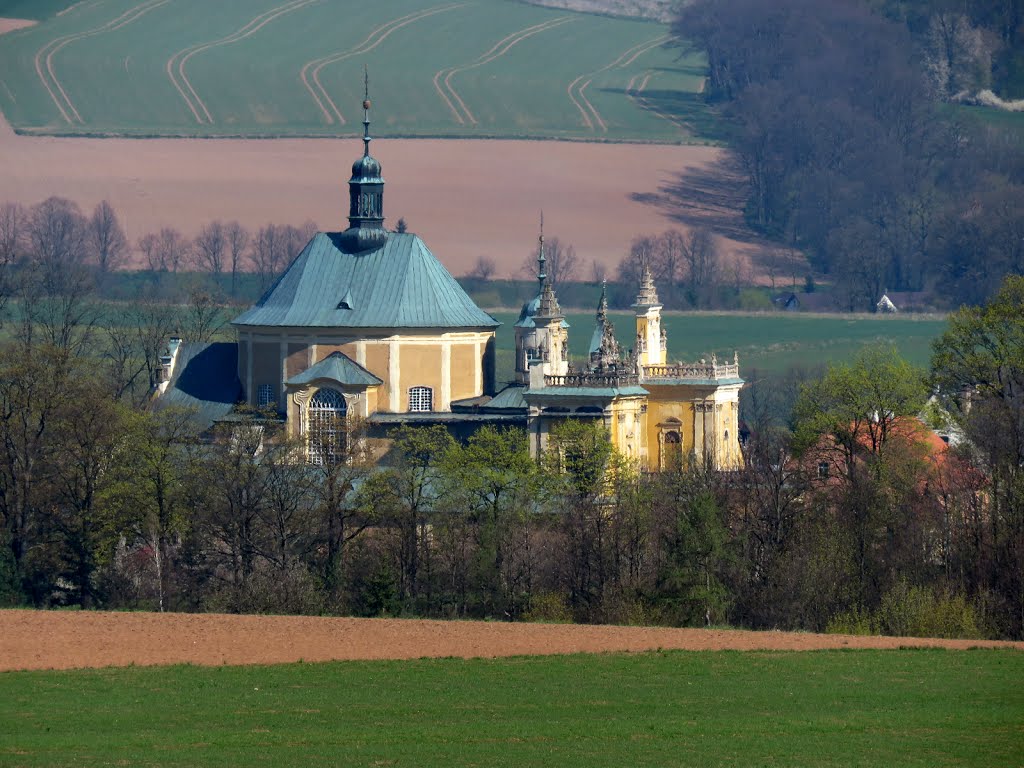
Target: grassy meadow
[766, 343]
[460, 68]
[825, 708]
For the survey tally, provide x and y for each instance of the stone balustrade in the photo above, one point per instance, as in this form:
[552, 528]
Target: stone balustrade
[603, 380]
[692, 371]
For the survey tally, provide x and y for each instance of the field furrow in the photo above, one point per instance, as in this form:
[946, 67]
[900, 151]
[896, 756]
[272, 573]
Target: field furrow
[499, 50]
[591, 117]
[253, 26]
[310, 72]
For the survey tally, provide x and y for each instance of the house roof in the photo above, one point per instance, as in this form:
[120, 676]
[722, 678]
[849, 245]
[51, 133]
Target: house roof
[205, 378]
[400, 284]
[340, 368]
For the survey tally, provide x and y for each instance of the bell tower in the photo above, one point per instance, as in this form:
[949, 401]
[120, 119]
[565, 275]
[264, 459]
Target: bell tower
[650, 336]
[365, 193]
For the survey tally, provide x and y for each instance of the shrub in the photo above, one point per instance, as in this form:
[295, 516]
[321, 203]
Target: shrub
[550, 608]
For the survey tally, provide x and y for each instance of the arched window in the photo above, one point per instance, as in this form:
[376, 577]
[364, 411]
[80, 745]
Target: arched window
[326, 426]
[673, 458]
[421, 399]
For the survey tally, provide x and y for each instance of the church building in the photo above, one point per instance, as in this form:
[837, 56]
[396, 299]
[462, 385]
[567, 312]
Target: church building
[367, 323]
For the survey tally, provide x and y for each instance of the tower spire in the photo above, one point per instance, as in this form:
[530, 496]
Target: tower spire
[548, 306]
[541, 261]
[365, 192]
[366, 111]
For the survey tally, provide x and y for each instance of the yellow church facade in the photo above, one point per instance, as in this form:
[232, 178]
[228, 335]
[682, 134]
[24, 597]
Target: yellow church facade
[657, 413]
[367, 324]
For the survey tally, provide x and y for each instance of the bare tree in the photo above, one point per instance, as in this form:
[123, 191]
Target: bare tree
[276, 245]
[166, 251]
[561, 262]
[484, 269]
[641, 254]
[57, 236]
[154, 323]
[702, 261]
[668, 257]
[174, 248]
[151, 253]
[13, 237]
[211, 246]
[203, 317]
[108, 246]
[13, 232]
[269, 250]
[598, 271]
[237, 239]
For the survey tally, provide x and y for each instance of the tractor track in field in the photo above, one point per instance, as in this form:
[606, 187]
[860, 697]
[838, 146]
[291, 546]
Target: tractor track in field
[53, 85]
[443, 77]
[310, 72]
[576, 90]
[177, 62]
[636, 93]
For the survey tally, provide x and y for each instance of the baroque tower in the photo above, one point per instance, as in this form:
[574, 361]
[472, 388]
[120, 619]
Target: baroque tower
[651, 342]
[366, 194]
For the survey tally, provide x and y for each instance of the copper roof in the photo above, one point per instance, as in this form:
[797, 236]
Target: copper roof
[398, 285]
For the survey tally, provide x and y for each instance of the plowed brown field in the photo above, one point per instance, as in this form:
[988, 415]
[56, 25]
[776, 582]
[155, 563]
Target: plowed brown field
[64, 640]
[467, 199]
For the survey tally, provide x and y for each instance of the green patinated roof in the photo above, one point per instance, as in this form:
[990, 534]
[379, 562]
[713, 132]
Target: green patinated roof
[606, 392]
[340, 368]
[399, 285]
[529, 311]
[511, 397]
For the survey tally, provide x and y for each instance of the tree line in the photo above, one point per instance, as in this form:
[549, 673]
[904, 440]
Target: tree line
[843, 517]
[55, 235]
[851, 156]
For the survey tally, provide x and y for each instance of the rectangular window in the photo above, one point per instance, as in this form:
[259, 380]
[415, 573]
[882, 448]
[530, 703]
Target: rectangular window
[823, 469]
[265, 396]
[421, 399]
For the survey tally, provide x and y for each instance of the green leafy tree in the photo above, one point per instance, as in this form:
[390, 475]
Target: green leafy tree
[405, 496]
[857, 423]
[694, 543]
[491, 482]
[978, 364]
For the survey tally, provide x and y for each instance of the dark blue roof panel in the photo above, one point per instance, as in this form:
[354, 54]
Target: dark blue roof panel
[206, 379]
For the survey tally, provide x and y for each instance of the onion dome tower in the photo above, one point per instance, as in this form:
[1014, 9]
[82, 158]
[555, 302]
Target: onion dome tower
[366, 194]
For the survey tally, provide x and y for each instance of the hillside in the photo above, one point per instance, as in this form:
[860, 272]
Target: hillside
[483, 68]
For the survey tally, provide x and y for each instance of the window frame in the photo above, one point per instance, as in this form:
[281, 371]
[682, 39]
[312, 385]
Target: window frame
[326, 414]
[416, 402]
[265, 397]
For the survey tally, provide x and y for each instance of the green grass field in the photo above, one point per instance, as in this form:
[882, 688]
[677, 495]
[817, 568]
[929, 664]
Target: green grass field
[837, 708]
[767, 343]
[461, 68]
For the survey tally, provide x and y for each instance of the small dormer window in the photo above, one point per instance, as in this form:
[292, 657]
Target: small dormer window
[823, 469]
[421, 399]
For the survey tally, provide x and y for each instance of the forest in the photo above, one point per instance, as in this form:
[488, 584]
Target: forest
[848, 125]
